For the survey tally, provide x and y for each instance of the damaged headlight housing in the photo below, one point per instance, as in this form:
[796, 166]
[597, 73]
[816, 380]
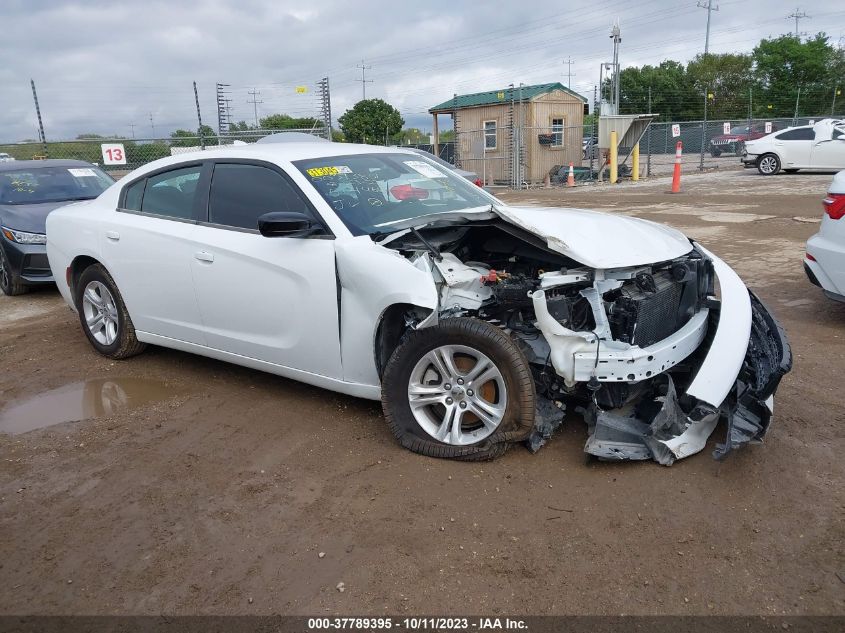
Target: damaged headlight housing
[23, 237]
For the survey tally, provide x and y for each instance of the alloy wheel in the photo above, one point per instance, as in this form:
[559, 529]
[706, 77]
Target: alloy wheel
[457, 395]
[768, 164]
[100, 311]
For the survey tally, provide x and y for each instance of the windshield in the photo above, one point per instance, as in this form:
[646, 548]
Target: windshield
[36, 185]
[369, 192]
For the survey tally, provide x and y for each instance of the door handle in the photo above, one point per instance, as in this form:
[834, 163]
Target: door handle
[114, 236]
[204, 256]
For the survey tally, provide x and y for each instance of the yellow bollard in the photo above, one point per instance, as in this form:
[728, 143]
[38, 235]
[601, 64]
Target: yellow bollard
[614, 159]
[635, 163]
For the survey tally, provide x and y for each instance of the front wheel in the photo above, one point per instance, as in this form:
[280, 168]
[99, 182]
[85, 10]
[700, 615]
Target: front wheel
[768, 164]
[10, 283]
[715, 152]
[103, 315]
[461, 389]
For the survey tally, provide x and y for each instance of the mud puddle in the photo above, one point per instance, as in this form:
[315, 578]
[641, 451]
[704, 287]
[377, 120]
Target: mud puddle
[95, 398]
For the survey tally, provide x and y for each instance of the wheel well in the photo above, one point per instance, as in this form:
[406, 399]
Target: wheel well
[391, 329]
[78, 265]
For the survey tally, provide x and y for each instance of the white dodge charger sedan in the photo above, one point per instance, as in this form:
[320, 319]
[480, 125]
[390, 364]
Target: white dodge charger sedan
[378, 273]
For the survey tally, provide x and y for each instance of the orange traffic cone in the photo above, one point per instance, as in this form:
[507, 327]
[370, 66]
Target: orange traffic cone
[676, 176]
[570, 180]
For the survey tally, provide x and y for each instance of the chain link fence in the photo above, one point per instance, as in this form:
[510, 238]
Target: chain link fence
[137, 152]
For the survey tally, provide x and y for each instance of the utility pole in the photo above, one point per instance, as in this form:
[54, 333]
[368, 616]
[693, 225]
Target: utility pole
[364, 81]
[797, 99]
[568, 63]
[710, 8]
[152, 125]
[224, 117]
[798, 15]
[132, 127]
[326, 105]
[616, 36]
[648, 160]
[199, 117]
[254, 94]
[38, 114]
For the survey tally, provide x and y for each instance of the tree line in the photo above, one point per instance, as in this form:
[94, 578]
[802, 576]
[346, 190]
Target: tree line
[780, 75]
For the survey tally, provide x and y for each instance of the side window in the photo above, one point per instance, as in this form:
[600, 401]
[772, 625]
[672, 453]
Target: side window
[172, 193]
[241, 193]
[490, 135]
[557, 130]
[797, 134]
[839, 133]
[133, 195]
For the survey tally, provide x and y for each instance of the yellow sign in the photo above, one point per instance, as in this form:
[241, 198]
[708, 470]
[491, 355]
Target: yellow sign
[709, 95]
[301, 89]
[317, 172]
[500, 96]
[769, 106]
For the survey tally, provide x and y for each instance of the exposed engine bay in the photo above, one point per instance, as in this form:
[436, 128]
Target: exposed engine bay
[620, 346]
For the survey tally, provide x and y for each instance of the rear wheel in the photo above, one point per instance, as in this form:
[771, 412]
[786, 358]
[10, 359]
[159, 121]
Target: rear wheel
[715, 152]
[461, 389]
[768, 164]
[10, 283]
[103, 315]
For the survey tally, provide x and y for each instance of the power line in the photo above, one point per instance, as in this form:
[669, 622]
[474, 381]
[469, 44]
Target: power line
[364, 81]
[710, 8]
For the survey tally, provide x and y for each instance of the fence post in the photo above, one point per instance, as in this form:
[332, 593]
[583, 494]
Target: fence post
[703, 132]
[648, 155]
[614, 174]
[199, 118]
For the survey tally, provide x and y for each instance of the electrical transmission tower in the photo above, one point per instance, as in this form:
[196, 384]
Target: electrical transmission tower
[254, 101]
[710, 8]
[224, 116]
[364, 81]
[797, 15]
[325, 105]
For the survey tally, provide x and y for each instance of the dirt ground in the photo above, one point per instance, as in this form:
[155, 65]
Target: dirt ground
[216, 492]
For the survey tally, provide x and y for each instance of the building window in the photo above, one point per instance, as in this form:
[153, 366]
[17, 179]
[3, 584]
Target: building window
[489, 135]
[557, 130]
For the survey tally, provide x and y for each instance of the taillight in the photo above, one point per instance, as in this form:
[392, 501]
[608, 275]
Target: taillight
[834, 205]
[478, 182]
[810, 257]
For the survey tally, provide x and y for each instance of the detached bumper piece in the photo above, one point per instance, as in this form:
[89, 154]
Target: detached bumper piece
[767, 360]
[657, 426]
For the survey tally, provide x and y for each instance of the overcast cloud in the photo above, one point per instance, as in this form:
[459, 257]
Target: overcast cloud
[102, 65]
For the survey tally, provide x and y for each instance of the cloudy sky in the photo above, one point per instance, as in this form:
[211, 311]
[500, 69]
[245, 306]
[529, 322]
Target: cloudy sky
[107, 65]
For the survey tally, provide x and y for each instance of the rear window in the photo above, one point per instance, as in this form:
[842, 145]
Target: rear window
[37, 185]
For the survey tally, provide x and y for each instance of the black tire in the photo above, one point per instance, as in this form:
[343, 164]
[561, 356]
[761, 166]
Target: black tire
[125, 343]
[518, 419]
[768, 164]
[715, 152]
[10, 283]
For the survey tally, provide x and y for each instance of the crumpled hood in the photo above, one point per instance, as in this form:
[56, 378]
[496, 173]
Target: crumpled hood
[599, 240]
[31, 218]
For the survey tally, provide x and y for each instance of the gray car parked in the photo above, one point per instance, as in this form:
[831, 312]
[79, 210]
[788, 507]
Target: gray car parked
[29, 190]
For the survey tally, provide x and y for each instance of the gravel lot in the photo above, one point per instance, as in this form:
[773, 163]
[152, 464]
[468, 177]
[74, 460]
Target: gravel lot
[218, 489]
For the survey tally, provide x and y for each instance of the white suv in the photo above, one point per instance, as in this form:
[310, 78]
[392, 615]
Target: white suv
[824, 262]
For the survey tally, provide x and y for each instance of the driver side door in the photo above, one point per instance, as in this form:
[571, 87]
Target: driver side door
[273, 299]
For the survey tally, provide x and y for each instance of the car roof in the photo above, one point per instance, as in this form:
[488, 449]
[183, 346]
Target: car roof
[39, 164]
[272, 152]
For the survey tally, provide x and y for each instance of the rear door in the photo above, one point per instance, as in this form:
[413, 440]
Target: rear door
[148, 246]
[829, 151]
[272, 299]
[795, 147]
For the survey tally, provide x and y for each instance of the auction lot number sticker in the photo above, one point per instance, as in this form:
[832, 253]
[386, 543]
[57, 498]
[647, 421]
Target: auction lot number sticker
[113, 154]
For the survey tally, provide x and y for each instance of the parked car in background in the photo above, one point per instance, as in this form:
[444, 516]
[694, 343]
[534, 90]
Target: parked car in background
[589, 144]
[29, 191]
[734, 142]
[824, 261]
[469, 175]
[820, 147]
[5, 158]
[379, 273]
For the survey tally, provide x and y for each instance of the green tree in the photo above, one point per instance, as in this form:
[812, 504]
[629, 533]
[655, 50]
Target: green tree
[187, 138]
[287, 122]
[728, 78]
[370, 121]
[410, 136]
[785, 64]
[673, 95]
[338, 136]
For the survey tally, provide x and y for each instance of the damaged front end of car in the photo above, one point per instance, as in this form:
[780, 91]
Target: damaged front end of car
[645, 352]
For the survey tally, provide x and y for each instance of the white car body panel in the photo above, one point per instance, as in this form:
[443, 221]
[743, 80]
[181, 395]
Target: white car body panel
[828, 248]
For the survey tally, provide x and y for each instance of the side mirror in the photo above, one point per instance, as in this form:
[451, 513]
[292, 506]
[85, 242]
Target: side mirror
[286, 224]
